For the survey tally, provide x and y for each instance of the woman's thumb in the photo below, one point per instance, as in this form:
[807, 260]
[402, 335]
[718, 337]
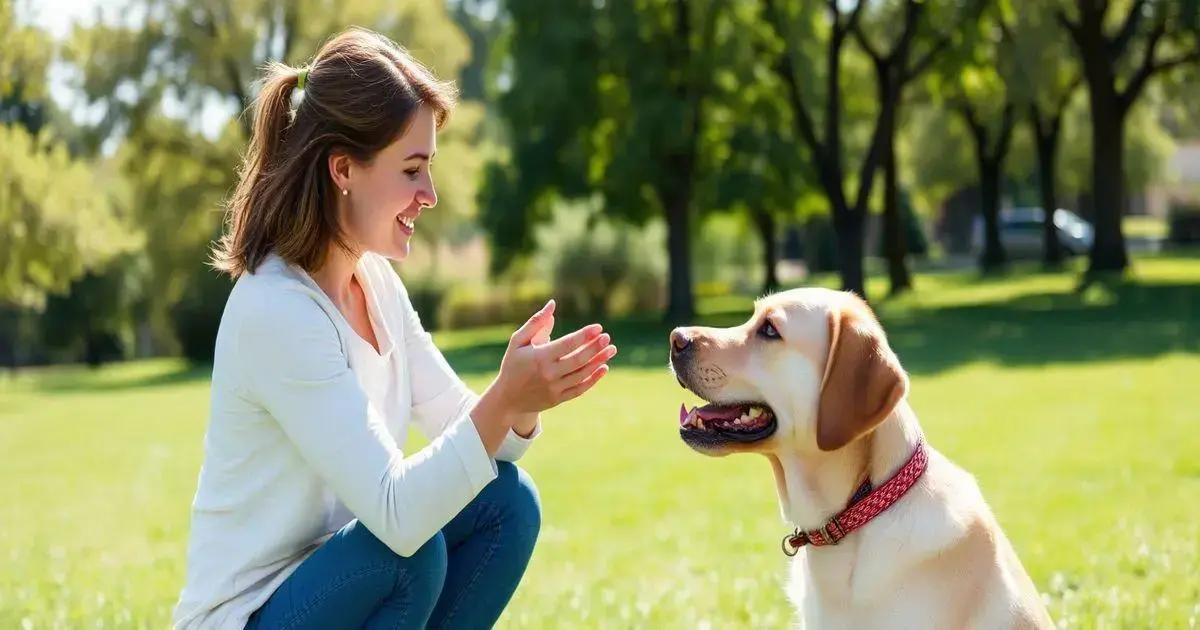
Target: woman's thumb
[530, 328]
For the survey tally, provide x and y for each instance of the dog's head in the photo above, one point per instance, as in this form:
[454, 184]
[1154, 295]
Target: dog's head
[811, 369]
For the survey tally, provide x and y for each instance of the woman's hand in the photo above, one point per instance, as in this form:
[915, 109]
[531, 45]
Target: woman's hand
[537, 374]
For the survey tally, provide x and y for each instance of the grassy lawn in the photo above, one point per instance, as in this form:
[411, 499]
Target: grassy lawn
[1077, 411]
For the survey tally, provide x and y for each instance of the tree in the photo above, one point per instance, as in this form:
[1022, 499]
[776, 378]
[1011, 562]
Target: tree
[827, 145]
[748, 157]
[976, 85]
[59, 221]
[1120, 52]
[605, 98]
[1045, 90]
[991, 147]
[895, 67]
[174, 91]
[59, 218]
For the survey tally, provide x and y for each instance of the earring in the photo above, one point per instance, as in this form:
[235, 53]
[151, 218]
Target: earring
[345, 192]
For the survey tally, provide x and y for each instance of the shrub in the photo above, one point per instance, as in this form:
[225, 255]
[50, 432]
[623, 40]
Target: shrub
[197, 315]
[599, 267]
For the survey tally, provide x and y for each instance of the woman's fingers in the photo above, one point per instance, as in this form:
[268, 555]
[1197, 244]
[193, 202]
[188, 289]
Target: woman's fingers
[578, 358]
[525, 334]
[569, 343]
[576, 390]
[593, 363]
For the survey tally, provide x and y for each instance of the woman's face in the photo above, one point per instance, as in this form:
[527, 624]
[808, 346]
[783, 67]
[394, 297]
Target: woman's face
[385, 197]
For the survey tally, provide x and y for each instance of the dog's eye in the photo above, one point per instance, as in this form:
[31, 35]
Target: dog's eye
[768, 331]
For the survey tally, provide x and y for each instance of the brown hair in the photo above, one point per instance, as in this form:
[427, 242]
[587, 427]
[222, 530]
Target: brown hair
[360, 94]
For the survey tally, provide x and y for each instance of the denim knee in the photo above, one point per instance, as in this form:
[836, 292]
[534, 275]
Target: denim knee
[514, 489]
[424, 572]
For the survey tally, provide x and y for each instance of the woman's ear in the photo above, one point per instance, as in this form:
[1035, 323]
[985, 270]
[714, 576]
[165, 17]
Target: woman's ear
[863, 379]
[339, 170]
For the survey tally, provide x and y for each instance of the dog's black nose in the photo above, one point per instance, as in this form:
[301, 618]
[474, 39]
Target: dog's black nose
[679, 341]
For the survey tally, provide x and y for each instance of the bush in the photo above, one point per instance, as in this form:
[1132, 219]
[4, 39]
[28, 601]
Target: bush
[915, 241]
[427, 297]
[93, 321]
[1184, 224]
[820, 244]
[197, 315]
[468, 306]
[598, 267]
[727, 250]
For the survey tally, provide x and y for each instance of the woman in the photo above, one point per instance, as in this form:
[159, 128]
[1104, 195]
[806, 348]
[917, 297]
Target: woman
[308, 514]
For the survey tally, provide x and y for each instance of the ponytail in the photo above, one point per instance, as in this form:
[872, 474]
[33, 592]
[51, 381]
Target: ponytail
[237, 252]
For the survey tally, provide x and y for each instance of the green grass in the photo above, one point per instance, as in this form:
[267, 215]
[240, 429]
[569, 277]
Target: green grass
[1077, 411]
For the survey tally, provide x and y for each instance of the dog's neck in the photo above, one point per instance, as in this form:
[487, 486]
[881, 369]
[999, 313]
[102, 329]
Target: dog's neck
[815, 486]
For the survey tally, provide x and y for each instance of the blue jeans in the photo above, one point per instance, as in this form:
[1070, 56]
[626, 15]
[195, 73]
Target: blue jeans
[462, 578]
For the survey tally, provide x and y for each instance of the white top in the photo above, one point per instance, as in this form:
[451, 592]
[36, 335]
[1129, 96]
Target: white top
[307, 425]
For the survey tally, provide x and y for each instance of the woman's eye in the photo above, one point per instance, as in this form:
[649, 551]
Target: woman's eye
[412, 172]
[768, 331]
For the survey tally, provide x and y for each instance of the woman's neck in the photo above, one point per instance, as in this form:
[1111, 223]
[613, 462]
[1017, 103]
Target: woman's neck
[335, 275]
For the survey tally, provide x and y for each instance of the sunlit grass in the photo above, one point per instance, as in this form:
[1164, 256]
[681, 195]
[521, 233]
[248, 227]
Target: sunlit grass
[1076, 411]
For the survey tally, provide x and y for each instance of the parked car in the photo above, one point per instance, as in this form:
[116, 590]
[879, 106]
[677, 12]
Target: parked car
[1021, 232]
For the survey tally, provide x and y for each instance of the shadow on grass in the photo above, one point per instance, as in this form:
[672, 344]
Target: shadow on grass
[1118, 320]
[81, 379]
[1102, 321]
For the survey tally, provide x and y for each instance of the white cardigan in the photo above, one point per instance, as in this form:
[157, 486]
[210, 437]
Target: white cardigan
[306, 431]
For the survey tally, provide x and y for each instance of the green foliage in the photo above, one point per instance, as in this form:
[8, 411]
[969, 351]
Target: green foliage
[598, 266]
[59, 216]
[510, 303]
[729, 252]
[427, 297]
[154, 80]
[820, 249]
[94, 320]
[914, 234]
[197, 315]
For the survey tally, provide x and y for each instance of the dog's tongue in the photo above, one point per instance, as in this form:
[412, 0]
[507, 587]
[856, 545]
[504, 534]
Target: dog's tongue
[715, 412]
[711, 412]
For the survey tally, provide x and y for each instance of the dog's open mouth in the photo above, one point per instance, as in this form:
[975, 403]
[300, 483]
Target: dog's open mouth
[714, 424]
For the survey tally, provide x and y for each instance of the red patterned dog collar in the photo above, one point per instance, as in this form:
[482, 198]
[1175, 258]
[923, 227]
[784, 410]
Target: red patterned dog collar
[860, 512]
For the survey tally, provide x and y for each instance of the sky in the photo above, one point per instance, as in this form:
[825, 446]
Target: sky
[57, 17]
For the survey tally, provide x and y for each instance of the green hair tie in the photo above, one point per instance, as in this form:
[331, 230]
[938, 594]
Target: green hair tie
[302, 77]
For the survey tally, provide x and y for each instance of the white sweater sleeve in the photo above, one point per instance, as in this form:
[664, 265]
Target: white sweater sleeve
[438, 394]
[294, 365]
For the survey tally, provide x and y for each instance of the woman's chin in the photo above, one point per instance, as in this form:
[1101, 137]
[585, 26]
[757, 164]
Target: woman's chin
[394, 251]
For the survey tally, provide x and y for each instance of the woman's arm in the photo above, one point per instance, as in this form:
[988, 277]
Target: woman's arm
[292, 363]
[439, 395]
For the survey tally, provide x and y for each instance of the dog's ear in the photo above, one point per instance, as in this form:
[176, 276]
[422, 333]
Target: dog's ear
[863, 379]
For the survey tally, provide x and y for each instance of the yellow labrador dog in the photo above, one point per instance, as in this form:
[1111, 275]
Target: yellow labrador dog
[888, 532]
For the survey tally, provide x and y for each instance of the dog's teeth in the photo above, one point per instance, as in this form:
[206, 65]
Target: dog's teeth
[755, 412]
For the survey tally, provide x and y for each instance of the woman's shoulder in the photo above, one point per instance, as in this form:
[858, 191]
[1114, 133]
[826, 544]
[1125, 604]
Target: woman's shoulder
[278, 298]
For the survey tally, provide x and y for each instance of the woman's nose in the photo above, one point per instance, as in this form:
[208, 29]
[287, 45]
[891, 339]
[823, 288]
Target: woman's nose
[427, 195]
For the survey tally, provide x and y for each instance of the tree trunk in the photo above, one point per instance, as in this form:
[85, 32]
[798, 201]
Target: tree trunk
[1108, 183]
[895, 248]
[1047, 150]
[1108, 108]
[993, 257]
[680, 307]
[849, 229]
[765, 222]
